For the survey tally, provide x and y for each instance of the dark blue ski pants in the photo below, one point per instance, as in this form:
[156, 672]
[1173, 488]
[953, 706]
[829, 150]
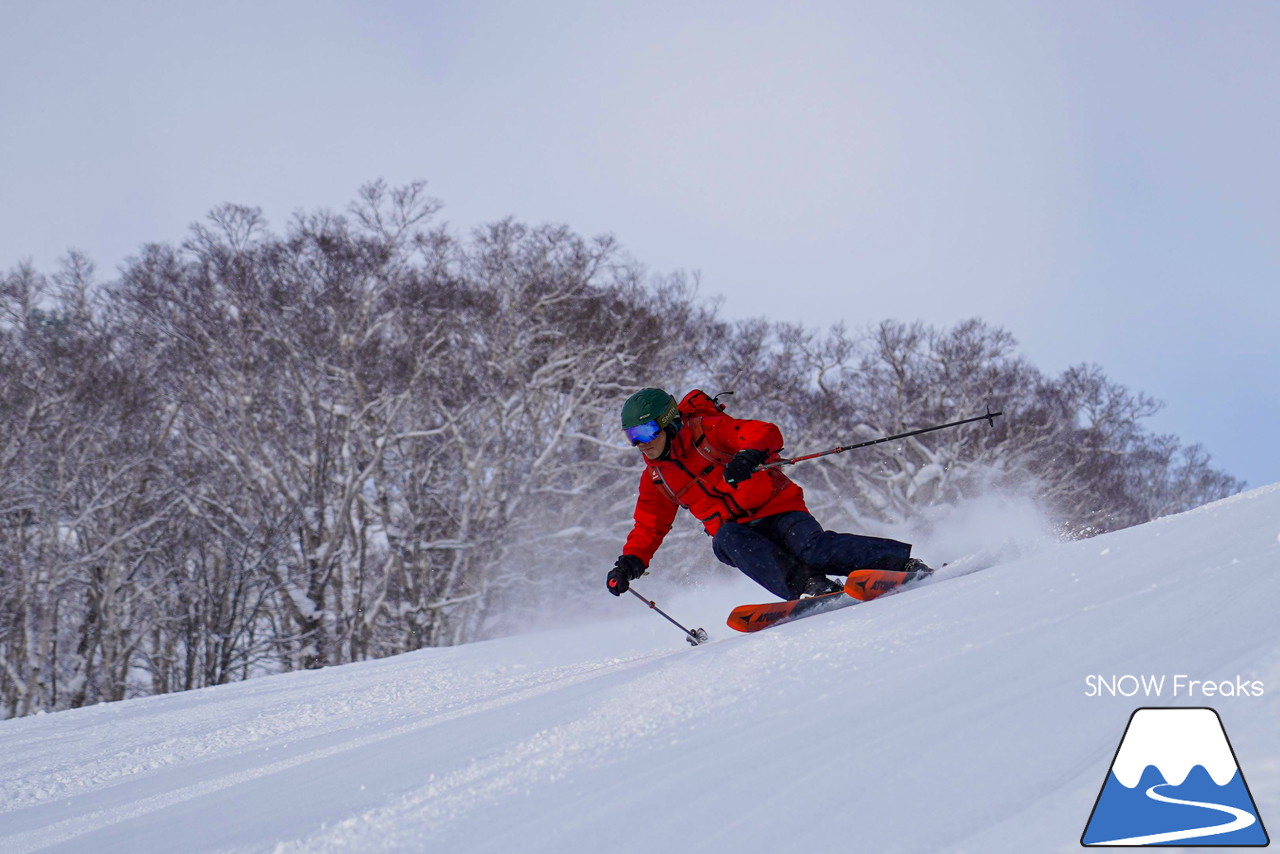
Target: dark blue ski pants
[781, 552]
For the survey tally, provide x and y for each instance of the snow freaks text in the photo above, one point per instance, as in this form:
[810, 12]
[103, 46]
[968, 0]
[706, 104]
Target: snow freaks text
[1180, 685]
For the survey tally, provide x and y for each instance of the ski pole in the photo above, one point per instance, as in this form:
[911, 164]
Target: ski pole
[694, 637]
[989, 417]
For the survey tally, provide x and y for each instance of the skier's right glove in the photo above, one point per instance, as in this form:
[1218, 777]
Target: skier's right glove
[625, 570]
[743, 465]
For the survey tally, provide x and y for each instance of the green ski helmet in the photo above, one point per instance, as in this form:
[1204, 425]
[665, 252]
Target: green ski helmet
[647, 413]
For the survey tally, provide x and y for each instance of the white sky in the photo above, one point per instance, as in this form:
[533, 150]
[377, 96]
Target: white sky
[1099, 177]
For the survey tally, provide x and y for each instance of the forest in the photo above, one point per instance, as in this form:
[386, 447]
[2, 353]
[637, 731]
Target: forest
[263, 451]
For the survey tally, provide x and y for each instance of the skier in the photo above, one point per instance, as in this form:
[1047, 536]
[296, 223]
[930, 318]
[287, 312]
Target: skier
[698, 458]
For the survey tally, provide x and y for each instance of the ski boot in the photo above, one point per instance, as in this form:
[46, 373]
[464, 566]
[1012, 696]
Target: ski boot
[914, 564]
[820, 585]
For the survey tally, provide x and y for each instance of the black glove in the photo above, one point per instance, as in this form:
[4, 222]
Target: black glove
[742, 466]
[628, 567]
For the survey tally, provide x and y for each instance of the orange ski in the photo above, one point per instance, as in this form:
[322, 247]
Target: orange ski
[867, 584]
[753, 618]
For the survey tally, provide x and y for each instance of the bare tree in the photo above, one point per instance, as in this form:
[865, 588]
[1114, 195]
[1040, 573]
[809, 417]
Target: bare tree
[258, 452]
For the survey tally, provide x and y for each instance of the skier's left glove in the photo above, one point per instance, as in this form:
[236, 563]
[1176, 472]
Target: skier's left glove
[625, 570]
[743, 464]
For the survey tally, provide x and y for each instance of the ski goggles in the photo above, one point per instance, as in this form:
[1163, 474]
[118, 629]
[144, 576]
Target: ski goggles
[642, 434]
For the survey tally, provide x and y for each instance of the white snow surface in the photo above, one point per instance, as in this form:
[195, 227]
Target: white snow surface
[953, 717]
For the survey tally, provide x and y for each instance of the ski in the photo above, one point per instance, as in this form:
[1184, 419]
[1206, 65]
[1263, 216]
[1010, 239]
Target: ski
[753, 618]
[867, 584]
[863, 585]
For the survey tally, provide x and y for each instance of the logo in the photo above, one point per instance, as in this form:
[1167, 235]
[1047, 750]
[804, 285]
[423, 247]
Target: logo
[1175, 779]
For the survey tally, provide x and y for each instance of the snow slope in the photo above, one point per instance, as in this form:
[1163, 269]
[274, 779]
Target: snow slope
[954, 717]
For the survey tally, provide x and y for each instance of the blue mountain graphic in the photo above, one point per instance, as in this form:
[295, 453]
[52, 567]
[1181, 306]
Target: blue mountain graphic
[1122, 813]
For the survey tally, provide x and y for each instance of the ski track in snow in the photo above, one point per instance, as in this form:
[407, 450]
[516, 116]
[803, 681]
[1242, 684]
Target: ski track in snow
[71, 828]
[283, 730]
[950, 717]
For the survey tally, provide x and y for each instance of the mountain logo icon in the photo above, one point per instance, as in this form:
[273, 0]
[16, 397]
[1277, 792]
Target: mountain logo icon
[1175, 780]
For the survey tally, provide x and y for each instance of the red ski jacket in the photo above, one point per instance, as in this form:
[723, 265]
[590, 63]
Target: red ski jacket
[691, 475]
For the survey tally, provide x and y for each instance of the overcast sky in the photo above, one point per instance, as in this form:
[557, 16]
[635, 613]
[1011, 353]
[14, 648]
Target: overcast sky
[1100, 178]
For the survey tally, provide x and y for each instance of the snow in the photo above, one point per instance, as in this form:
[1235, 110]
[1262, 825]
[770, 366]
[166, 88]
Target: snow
[955, 717]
